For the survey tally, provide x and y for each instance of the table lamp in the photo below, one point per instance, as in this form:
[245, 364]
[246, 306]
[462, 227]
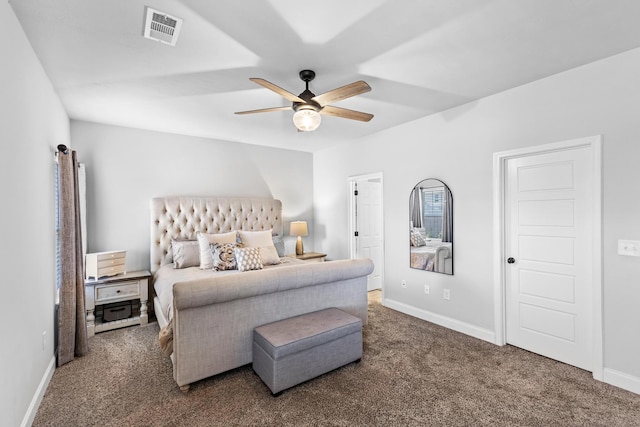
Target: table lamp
[299, 229]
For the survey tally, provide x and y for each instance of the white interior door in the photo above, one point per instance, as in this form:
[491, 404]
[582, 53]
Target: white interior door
[367, 219]
[549, 243]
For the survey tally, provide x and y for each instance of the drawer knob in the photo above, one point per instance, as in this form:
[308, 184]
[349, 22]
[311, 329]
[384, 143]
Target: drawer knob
[118, 291]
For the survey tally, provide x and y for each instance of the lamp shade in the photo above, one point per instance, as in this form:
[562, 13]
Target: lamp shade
[306, 119]
[298, 228]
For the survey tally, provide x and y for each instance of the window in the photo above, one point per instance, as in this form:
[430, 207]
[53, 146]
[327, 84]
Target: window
[57, 216]
[432, 208]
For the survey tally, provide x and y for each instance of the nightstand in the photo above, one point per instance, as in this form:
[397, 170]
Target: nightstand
[310, 256]
[101, 293]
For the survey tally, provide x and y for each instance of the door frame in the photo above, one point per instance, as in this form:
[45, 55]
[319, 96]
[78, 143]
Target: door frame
[594, 144]
[352, 226]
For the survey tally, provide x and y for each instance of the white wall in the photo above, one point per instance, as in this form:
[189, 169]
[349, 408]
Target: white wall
[33, 122]
[127, 167]
[456, 147]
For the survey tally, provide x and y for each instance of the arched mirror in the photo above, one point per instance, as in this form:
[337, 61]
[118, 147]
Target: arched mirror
[431, 227]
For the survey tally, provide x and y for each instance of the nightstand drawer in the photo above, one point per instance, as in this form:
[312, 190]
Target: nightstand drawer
[121, 290]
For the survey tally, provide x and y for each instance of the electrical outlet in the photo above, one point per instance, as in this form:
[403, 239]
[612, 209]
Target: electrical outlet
[426, 289]
[446, 294]
[404, 283]
[629, 247]
[44, 340]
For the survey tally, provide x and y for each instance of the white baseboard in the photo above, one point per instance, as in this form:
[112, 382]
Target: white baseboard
[610, 376]
[622, 380]
[438, 319]
[37, 397]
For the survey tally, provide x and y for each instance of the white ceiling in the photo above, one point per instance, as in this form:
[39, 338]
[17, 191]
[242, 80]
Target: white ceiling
[419, 57]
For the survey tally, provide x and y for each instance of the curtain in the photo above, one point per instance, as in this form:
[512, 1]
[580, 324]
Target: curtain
[447, 216]
[72, 326]
[415, 203]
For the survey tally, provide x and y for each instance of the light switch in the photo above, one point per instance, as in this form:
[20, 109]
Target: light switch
[629, 247]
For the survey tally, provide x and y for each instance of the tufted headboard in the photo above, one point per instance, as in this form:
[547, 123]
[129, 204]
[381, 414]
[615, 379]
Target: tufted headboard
[182, 217]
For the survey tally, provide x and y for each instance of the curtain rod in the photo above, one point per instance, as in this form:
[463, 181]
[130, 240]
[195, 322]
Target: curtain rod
[62, 149]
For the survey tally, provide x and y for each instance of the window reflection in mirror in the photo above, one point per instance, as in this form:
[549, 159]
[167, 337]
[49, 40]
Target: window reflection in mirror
[431, 227]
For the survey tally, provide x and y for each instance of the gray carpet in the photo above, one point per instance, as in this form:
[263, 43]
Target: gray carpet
[412, 373]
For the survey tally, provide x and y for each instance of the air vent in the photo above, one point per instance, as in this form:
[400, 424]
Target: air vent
[161, 27]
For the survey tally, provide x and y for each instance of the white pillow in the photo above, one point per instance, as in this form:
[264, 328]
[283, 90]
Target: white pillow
[255, 239]
[262, 240]
[204, 240]
[269, 255]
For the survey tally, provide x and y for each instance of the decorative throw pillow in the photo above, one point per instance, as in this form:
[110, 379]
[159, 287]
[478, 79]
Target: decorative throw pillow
[417, 239]
[223, 256]
[278, 242]
[204, 240]
[186, 253]
[248, 259]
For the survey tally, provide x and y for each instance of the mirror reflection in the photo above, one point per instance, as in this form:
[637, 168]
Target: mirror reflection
[431, 227]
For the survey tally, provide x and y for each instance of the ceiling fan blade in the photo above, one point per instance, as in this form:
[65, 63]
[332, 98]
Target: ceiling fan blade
[277, 89]
[353, 89]
[264, 110]
[330, 110]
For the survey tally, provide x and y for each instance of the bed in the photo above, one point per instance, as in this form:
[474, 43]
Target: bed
[429, 254]
[208, 316]
[432, 256]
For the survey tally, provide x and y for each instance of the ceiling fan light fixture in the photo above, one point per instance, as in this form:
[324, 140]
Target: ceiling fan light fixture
[306, 119]
[307, 106]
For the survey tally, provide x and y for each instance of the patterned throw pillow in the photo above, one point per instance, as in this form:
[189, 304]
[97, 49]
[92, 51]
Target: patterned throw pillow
[223, 256]
[204, 240]
[248, 259]
[417, 239]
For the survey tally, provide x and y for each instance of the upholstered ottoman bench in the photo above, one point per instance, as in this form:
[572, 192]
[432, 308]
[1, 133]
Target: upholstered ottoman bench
[294, 350]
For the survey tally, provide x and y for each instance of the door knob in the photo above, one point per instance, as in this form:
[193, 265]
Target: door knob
[511, 260]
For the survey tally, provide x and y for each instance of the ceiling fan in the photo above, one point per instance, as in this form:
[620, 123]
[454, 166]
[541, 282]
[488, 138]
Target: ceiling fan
[308, 106]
